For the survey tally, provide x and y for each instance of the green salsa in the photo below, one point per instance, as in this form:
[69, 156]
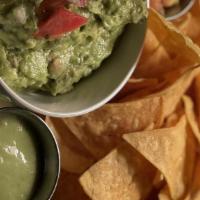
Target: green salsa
[55, 65]
[18, 159]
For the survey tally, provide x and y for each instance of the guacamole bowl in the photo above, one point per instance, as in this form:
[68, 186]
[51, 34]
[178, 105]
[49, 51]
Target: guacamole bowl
[29, 161]
[95, 90]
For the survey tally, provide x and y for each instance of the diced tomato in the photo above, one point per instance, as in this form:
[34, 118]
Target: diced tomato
[60, 22]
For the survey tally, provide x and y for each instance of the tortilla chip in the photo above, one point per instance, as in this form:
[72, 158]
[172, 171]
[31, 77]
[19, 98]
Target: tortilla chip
[144, 92]
[100, 131]
[184, 22]
[167, 150]
[151, 62]
[197, 97]
[121, 175]
[195, 189]
[176, 51]
[141, 83]
[172, 94]
[173, 118]
[189, 24]
[51, 125]
[164, 194]
[189, 110]
[158, 180]
[151, 43]
[133, 85]
[73, 159]
[168, 79]
[152, 54]
[69, 188]
[174, 41]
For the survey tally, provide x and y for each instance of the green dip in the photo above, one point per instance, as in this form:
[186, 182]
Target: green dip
[18, 159]
[54, 65]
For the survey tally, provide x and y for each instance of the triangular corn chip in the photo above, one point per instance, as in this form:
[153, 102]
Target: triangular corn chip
[69, 188]
[197, 97]
[133, 85]
[175, 50]
[189, 23]
[164, 194]
[189, 111]
[195, 189]
[101, 130]
[73, 159]
[173, 93]
[123, 174]
[174, 118]
[167, 149]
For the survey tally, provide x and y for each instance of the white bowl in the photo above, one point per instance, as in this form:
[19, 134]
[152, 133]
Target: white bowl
[95, 90]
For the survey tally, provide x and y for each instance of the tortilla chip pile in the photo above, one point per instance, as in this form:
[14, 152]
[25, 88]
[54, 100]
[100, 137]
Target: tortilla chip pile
[144, 144]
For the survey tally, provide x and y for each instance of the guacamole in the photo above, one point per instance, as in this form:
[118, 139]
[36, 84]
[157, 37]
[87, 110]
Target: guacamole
[18, 159]
[55, 64]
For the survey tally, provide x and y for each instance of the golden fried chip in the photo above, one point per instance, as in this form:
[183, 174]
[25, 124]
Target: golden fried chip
[189, 110]
[133, 85]
[189, 24]
[176, 51]
[151, 47]
[151, 62]
[197, 97]
[173, 41]
[51, 125]
[167, 149]
[140, 83]
[172, 94]
[123, 174]
[164, 194]
[144, 92]
[151, 43]
[194, 193]
[173, 118]
[191, 150]
[184, 22]
[159, 180]
[73, 159]
[100, 131]
[69, 188]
